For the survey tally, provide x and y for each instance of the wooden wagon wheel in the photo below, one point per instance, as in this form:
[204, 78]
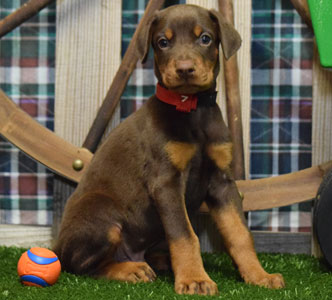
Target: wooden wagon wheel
[70, 161]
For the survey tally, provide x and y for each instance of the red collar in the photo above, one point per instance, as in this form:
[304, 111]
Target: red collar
[183, 103]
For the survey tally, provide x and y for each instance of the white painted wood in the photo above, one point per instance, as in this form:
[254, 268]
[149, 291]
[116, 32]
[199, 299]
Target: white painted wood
[321, 113]
[88, 54]
[25, 236]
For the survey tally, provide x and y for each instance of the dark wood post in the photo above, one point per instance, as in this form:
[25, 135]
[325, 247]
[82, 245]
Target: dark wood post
[233, 100]
[25, 12]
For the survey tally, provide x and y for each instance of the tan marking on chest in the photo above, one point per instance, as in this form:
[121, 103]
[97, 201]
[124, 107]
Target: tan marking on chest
[169, 33]
[221, 154]
[180, 153]
[198, 30]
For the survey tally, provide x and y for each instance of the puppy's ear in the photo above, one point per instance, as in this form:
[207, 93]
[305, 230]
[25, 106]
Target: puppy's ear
[230, 39]
[145, 36]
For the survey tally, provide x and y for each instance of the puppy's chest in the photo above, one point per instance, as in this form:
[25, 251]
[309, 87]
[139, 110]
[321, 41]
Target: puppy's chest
[197, 161]
[198, 145]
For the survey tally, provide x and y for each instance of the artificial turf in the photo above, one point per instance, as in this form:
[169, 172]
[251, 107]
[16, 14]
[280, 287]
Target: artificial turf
[306, 278]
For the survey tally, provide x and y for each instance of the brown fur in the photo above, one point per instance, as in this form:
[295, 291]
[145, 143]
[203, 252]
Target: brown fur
[157, 167]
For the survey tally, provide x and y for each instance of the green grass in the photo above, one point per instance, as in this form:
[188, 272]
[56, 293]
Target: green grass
[306, 278]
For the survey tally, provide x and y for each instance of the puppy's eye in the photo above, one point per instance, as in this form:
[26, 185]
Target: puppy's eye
[163, 43]
[205, 40]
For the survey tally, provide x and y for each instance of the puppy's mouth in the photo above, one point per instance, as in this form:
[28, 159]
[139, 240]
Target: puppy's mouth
[187, 84]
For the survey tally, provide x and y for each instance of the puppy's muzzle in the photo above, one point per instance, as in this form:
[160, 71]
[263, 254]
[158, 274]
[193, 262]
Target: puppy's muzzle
[185, 69]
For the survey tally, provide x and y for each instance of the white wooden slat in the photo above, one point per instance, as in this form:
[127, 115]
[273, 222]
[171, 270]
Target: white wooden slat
[25, 236]
[321, 113]
[88, 54]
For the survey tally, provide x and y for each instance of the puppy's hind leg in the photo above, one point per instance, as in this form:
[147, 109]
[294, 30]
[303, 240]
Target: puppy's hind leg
[89, 234]
[91, 241]
[126, 265]
[84, 253]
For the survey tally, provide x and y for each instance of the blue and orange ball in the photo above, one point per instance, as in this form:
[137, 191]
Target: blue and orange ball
[39, 267]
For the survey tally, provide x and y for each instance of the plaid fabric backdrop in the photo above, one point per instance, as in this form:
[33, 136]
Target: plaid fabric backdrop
[281, 105]
[282, 48]
[27, 76]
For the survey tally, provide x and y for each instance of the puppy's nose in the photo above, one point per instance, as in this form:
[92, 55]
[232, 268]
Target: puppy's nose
[185, 68]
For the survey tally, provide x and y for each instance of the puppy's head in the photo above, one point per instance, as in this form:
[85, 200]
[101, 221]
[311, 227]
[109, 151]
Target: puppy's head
[186, 39]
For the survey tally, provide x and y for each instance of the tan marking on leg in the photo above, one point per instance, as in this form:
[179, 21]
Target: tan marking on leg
[240, 246]
[190, 276]
[130, 271]
[180, 153]
[221, 154]
[187, 265]
[114, 234]
[198, 30]
[169, 33]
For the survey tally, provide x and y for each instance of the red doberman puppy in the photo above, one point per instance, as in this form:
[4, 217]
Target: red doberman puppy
[158, 166]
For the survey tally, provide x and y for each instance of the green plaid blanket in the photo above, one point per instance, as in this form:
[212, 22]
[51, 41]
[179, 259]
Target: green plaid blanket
[280, 118]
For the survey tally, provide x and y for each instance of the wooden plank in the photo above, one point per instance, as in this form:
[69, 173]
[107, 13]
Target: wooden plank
[25, 236]
[281, 190]
[88, 52]
[232, 84]
[39, 142]
[25, 12]
[282, 242]
[321, 112]
[303, 9]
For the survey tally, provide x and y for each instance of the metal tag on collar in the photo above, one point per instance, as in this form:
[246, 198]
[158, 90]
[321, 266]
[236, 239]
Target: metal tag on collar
[184, 98]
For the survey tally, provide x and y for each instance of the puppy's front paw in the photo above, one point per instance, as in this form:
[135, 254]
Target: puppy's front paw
[274, 281]
[196, 286]
[271, 281]
[131, 272]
